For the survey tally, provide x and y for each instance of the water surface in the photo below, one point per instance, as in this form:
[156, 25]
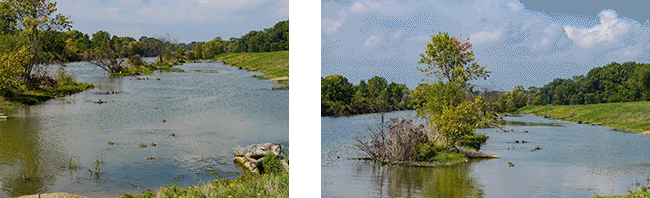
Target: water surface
[210, 108]
[576, 160]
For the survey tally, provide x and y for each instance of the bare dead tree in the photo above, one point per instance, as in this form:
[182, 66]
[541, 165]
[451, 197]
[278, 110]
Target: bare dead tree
[106, 58]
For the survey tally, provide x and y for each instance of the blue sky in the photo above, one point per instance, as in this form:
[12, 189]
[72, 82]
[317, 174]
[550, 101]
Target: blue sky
[524, 42]
[187, 20]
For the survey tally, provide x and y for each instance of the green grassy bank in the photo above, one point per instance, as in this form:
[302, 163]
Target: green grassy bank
[24, 96]
[274, 64]
[627, 116]
[247, 185]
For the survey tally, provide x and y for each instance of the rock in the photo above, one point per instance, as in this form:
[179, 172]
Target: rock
[251, 157]
[646, 133]
[2, 117]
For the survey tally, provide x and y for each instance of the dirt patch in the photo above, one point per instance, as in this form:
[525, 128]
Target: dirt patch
[53, 195]
[279, 79]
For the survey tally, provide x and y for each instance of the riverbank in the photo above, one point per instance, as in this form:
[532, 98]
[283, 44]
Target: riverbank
[274, 64]
[627, 116]
[247, 185]
[22, 96]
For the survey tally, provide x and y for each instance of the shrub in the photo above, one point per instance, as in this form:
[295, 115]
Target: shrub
[272, 163]
[473, 141]
[400, 144]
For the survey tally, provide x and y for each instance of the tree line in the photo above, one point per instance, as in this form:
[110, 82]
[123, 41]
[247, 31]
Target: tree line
[32, 37]
[339, 97]
[612, 83]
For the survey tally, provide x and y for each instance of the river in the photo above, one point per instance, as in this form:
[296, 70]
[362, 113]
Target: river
[210, 108]
[576, 160]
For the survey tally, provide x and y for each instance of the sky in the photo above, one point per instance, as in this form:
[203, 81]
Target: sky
[184, 20]
[525, 42]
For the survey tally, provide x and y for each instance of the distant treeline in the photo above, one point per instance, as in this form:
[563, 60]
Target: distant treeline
[71, 45]
[612, 83]
[341, 98]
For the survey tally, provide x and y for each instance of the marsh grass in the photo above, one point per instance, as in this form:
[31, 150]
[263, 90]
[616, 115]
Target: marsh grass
[639, 190]
[97, 171]
[627, 116]
[273, 64]
[73, 163]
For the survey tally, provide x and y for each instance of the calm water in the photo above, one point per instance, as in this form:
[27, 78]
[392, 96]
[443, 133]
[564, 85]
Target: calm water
[576, 161]
[211, 108]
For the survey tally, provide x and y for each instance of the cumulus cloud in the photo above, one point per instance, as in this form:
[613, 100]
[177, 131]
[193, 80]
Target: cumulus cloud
[330, 26]
[485, 36]
[609, 31]
[372, 41]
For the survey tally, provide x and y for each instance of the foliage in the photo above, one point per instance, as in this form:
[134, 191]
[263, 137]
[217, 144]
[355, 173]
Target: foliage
[472, 141]
[34, 20]
[448, 156]
[11, 66]
[272, 164]
[457, 121]
[450, 59]
[336, 88]
[339, 97]
[431, 99]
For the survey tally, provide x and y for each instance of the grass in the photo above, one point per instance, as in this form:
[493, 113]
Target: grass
[448, 156]
[627, 116]
[273, 64]
[247, 185]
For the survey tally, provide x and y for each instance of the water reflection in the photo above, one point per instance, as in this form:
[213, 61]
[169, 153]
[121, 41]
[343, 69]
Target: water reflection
[29, 163]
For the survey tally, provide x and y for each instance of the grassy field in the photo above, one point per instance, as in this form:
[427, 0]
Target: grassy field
[274, 64]
[628, 116]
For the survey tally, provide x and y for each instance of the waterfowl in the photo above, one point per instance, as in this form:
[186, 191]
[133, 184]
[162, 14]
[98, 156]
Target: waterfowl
[110, 143]
[150, 158]
[538, 148]
[153, 144]
[173, 134]
[510, 164]
[164, 121]
[156, 108]
[143, 145]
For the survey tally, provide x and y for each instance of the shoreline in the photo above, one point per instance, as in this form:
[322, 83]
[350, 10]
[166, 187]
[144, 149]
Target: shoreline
[274, 65]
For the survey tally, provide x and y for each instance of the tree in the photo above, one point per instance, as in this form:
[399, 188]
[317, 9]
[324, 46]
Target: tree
[450, 59]
[107, 57]
[336, 88]
[443, 100]
[34, 18]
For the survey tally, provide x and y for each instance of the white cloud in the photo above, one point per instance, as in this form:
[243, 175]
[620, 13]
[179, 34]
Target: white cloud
[515, 6]
[485, 36]
[629, 52]
[551, 29]
[372, 41]
[609, 31]
[545, 41]
[390, 7]
[330, 26]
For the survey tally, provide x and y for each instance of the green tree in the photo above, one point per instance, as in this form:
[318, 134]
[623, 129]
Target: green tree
[450, 59]
[34, 18]
[336, 88]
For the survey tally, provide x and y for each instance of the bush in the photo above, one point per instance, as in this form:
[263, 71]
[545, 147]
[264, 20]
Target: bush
[272, 164]
[399, 145]
[135, 60]
[449, 157]
[473, 141]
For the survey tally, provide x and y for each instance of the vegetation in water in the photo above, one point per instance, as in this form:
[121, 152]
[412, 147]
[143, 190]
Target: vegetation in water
[626, 116]
[639, 191]
[341, 98]
[443, 102]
